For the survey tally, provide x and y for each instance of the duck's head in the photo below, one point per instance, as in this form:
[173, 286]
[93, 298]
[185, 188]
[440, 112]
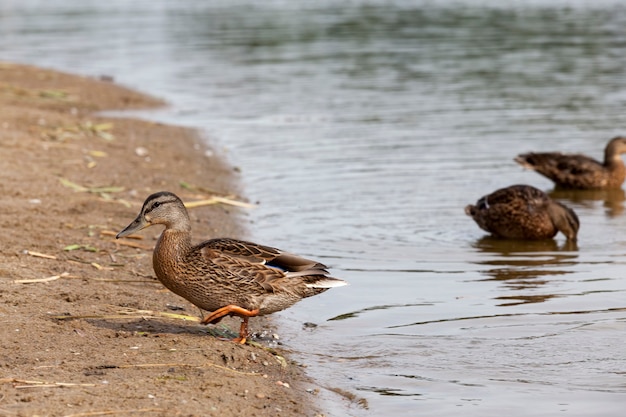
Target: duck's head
[565, 219]
[159, 208]
[615, 147]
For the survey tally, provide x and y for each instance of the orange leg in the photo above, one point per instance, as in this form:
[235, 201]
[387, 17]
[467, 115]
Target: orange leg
[243, 332]
[233, 310]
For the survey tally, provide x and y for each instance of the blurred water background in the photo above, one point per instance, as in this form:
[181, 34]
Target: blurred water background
[363, 128]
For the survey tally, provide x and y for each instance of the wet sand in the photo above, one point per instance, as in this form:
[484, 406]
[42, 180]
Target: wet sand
[83, 330]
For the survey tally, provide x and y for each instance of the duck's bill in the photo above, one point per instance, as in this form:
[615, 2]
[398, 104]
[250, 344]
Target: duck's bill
[137, 224]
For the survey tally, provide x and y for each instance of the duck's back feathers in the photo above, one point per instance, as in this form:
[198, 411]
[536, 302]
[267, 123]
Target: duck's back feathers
[523, 212]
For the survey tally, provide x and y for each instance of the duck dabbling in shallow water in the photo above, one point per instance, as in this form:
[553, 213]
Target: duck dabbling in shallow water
[580, 171]
[226, 276]
[523, 212]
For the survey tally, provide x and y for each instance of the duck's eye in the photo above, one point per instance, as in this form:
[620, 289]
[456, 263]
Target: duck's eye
[156, 204]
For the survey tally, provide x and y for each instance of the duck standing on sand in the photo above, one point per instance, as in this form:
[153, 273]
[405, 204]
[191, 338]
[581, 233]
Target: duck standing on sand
[580, 171]
[523, 212]
[226, 276]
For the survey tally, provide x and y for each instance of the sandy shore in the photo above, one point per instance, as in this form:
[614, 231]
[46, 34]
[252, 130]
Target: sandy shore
[82, 331]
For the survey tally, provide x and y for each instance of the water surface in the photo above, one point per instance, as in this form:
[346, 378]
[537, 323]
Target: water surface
[363, 128]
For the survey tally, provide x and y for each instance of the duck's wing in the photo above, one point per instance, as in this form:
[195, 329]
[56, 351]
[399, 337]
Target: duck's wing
[578, 171]
[265, 255]
[265, 265]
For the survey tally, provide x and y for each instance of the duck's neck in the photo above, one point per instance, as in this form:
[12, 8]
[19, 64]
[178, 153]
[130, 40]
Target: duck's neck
[171, 248]
[612, 158]
[564, 219]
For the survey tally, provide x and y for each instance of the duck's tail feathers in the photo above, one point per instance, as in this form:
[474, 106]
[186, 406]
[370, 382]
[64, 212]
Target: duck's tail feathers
[526, 160]
[327, 282]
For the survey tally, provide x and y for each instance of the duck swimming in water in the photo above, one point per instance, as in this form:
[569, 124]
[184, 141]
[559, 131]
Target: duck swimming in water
[523, 212]
[579, 171]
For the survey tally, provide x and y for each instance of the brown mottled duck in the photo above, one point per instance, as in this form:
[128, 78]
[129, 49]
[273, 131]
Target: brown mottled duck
[579, 171]
[523, 212]
[226, 276]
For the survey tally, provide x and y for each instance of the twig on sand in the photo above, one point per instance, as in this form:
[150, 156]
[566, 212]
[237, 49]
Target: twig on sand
[111, 412]
[47, 279]
[95, 190]
[24, 383]
[217, 200]
[40, 255]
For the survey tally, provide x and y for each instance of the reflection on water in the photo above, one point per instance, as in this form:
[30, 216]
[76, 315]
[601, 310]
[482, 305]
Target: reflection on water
[512, 300]
[613, 199]
[364, 128]
[526, 268]
[490, 244]
[354, 314]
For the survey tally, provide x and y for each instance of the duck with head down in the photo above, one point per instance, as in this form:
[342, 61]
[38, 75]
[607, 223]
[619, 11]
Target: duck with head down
[226, 276]
[523, 212]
